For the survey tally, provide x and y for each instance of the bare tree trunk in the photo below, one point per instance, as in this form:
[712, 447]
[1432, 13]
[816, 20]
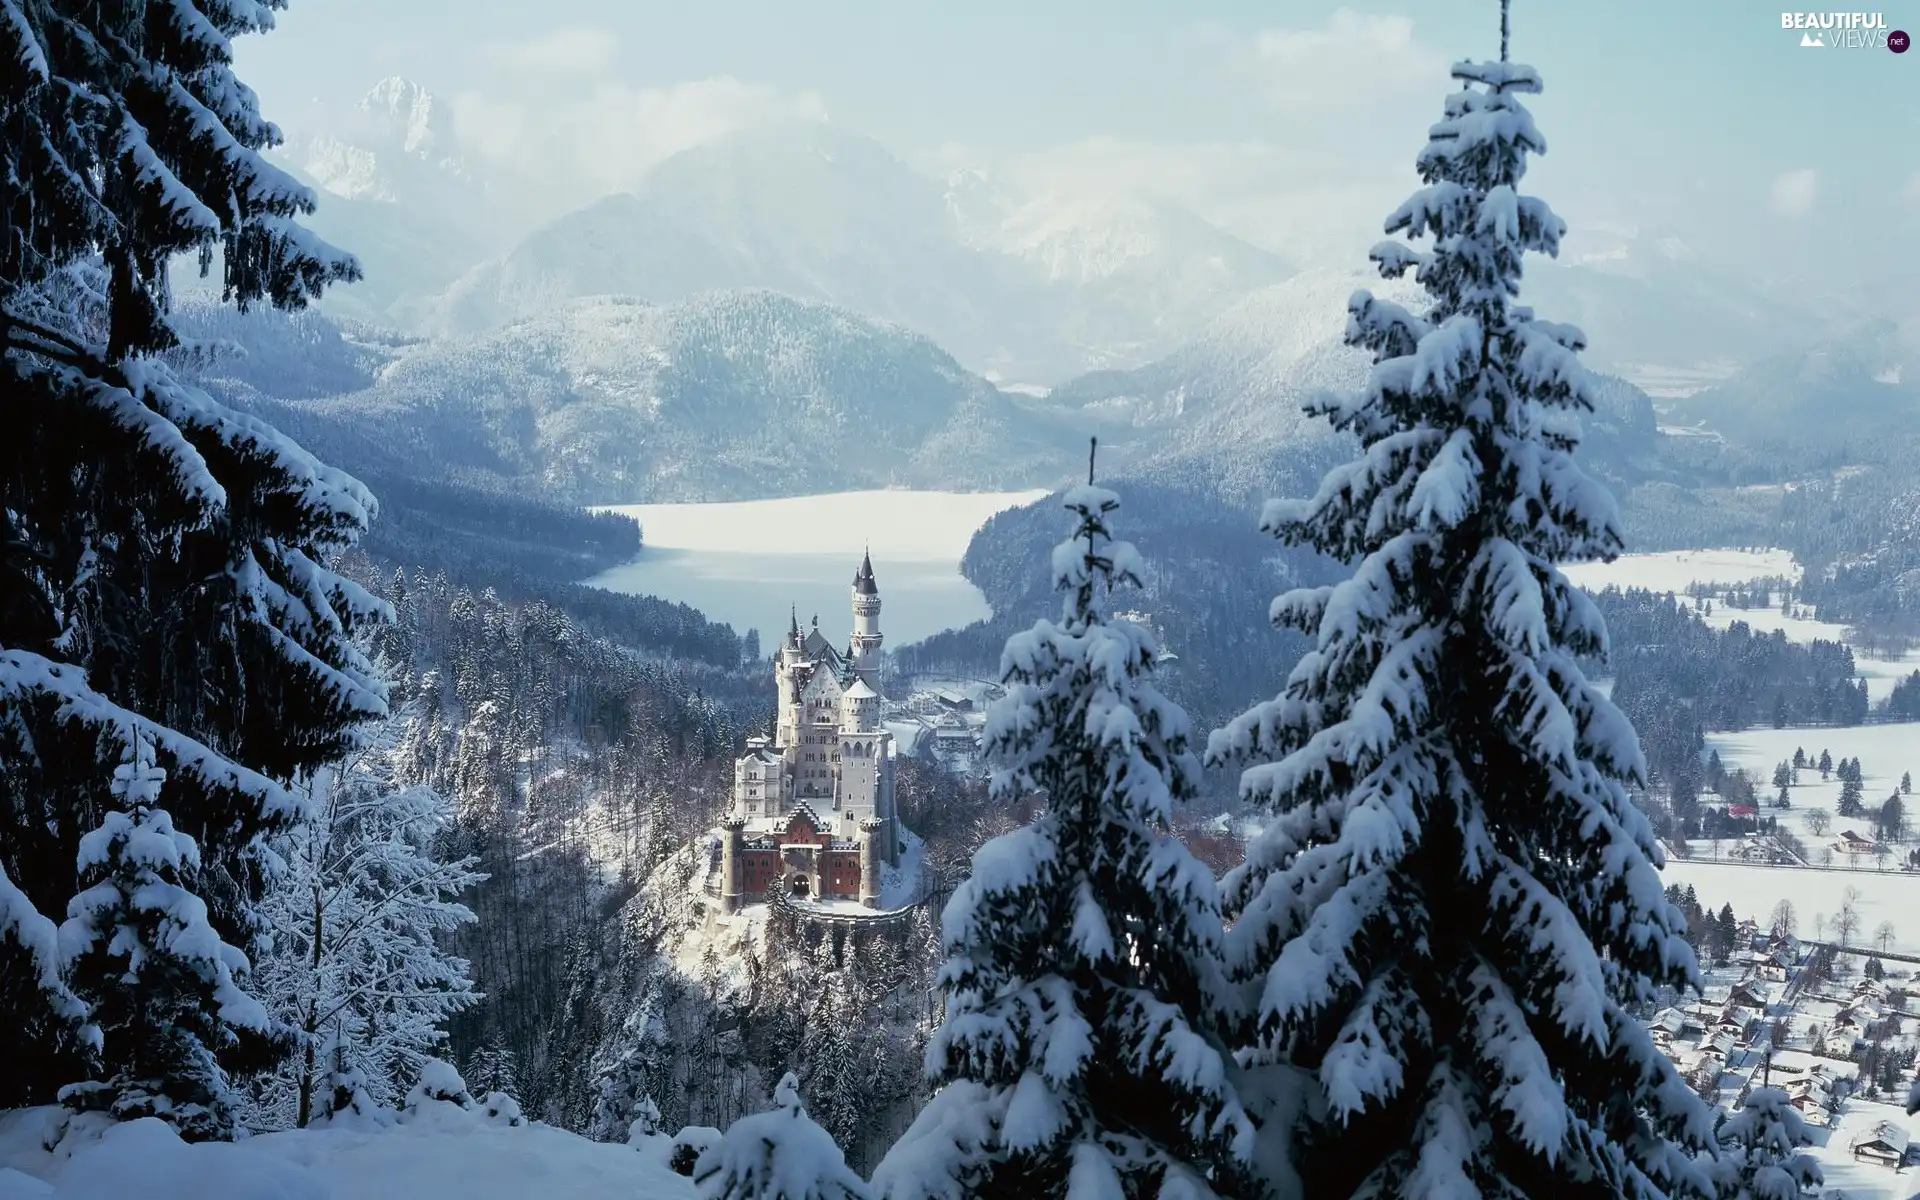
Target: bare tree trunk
[311, 1024]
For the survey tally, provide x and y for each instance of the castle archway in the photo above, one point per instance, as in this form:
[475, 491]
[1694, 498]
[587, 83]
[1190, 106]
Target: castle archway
[801, 886]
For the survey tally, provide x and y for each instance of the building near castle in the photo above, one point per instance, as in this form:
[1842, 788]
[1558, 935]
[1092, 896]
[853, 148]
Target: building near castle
[813, 809]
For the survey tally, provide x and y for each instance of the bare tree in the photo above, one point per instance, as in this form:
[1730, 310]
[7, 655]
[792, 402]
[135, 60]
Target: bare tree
[1783, 922]
[1845, 924]
[1881, 851]
[1818, 819]
[1884, 935]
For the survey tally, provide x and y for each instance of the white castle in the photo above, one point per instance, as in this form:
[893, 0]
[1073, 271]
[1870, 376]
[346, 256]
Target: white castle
[813, 810]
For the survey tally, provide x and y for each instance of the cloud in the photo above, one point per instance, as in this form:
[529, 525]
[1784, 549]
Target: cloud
[1353, 61]
[555, 114]
[1794, 192]
[572, 49]
[1281, 196]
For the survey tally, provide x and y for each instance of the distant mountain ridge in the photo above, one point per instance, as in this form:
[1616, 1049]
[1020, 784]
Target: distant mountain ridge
[1028, 293]
[725, 396]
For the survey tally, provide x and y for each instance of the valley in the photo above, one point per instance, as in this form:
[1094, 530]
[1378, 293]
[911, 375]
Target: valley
[699, 636]
[753, 564]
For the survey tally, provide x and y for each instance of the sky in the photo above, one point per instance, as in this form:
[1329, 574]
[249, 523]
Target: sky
[1291, 122]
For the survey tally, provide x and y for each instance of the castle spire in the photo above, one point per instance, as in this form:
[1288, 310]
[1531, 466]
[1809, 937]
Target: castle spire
[863, 578]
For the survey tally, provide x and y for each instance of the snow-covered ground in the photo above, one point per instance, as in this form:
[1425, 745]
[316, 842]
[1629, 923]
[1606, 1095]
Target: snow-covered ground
[1753, 890]
[1676, 570]
[1857, 1180]
[466, 1158]
[751, 563]
[1885, 752]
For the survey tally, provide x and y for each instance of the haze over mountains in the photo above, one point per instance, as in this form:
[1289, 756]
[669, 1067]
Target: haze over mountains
[1020, 287]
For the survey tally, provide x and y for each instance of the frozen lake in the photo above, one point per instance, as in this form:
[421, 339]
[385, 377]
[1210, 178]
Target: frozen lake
[752, 563]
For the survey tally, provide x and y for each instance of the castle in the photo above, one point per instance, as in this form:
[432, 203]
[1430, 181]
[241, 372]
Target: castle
[813, 812]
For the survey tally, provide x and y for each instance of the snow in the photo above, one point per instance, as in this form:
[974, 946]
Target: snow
[750, 563]
[469, 1158]
[903, 884]
[1859, 1180]
[1676, 570]
[1753, 890]
[1886, 752]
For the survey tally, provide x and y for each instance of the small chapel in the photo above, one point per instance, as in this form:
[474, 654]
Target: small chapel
[813, 816]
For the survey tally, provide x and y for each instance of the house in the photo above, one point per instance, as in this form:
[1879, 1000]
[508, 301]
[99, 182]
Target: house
[1752, 994]
[1670, 1021]
[1839, 1044]
[1850, 842]
[1884, 1144]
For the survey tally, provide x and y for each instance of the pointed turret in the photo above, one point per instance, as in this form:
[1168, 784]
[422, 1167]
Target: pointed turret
[865, 643]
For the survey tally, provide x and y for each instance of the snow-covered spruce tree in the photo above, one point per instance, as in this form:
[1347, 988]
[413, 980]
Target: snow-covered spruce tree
[1080, 1053]
[777, 1155]
[163, 560]
[359, 915]
[1760, 1155]
[138, 943]
[1455, 905]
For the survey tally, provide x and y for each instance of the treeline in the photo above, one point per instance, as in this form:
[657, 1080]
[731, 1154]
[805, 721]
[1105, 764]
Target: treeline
[1210, 576]
[574, 765]
[1677, 678]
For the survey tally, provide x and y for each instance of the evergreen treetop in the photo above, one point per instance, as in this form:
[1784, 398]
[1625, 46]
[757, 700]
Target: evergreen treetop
[1082, 1051]
[166, 578]
[1455, 908]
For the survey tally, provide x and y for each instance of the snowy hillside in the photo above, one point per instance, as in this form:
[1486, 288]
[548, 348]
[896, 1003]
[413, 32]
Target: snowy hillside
[730, 395]
[1865, 385]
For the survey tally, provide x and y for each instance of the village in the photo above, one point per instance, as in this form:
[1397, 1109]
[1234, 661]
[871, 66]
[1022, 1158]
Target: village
[1836, 1027]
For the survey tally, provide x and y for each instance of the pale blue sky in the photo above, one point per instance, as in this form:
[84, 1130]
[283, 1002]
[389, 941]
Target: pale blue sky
[1704, 118]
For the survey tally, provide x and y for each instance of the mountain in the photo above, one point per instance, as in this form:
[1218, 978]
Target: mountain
[725, 396]
[393, 190]
[1655, 312]
[1134, 275]
[1860, 389]
[1029, 292]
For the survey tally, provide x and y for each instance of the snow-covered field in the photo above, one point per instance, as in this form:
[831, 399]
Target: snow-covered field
[1676, 570]
[468, 1159]
[750, 564]
[1885, 753]
[1753, 890]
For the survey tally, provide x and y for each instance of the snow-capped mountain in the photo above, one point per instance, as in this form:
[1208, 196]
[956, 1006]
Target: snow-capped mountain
[1865, 386]
[1137, 274]
[393, 191]
[1034, 290]
[728, 395]
[1224, 412]
[1658, 313]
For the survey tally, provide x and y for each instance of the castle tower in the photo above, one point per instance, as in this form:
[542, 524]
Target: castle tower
[866, 624]
[734, 838]
[871, 831]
